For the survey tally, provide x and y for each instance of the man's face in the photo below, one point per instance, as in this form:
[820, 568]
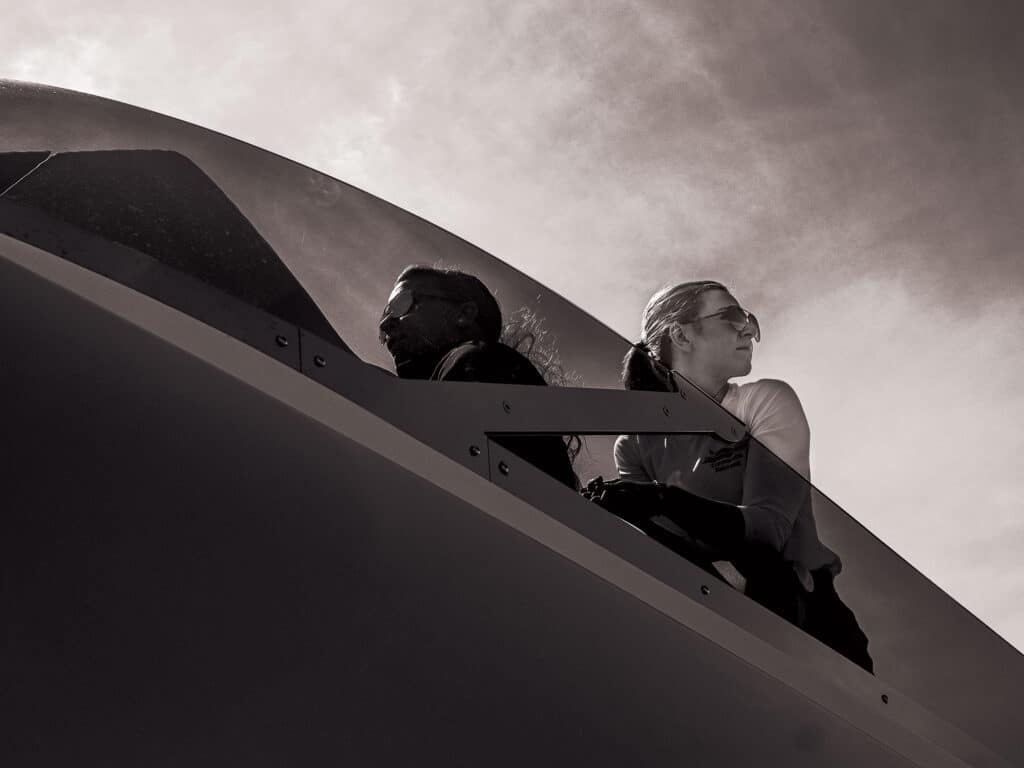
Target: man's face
[418, 323]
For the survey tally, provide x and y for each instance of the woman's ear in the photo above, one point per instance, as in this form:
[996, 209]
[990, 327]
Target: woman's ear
[679, 337]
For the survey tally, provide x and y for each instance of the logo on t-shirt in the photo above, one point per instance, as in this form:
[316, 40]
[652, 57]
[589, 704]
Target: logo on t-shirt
[727, 457]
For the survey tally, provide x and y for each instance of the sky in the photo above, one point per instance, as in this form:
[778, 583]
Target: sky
[854, 170]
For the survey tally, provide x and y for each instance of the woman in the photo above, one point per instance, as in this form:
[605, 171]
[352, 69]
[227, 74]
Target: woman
[738, 500]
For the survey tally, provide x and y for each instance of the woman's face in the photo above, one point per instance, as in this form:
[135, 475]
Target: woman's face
[720, 348]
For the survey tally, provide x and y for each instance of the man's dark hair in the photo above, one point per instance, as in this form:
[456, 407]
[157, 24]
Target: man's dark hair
[463, 286]
[524, 335]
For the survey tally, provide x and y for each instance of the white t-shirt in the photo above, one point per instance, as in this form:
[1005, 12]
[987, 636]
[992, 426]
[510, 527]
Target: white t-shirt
[775, 498]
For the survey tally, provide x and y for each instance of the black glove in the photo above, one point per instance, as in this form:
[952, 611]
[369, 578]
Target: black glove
[717, 524]
[635, 502]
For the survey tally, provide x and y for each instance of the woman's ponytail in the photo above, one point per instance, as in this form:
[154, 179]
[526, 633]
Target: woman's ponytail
[640, 371]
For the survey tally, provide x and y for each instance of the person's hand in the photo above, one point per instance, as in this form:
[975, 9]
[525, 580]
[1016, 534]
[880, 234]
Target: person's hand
[716, 524]
[632, 500]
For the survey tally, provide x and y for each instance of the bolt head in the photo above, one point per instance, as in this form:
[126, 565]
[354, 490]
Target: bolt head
[320, 361]
[705, 589]
[503, 467]
[282, 341]
[506, 406]
[474, 450]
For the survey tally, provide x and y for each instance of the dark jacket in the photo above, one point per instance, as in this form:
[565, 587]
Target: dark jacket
[496, 363]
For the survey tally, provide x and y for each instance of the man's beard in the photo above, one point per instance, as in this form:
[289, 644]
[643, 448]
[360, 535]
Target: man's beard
[421, 366]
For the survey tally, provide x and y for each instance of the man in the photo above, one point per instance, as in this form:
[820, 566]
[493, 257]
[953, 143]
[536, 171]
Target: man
[444, 325]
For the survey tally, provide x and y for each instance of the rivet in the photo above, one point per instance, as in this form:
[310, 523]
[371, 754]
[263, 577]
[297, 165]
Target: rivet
[506, 406]
[705, 589]
[474, 450]
[319, 361]
[885, 698]
[282, 341]
[666, 411]
[503, 467]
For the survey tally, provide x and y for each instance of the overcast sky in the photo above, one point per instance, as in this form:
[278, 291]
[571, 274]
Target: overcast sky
[854, 170]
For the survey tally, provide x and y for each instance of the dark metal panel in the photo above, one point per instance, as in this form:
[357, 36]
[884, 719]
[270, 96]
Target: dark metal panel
[445, 411]
[159, 203]
[515, 407]
[198, 574]
[455, 408]
[247, 323]
[14, 166]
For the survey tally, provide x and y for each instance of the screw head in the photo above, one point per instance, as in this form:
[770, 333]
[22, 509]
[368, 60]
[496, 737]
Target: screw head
[885, 698]
[320, 361]
[474, 450]
[705, 589]
[503, 467]
[506, 406]
[666, 411]
[282, 341]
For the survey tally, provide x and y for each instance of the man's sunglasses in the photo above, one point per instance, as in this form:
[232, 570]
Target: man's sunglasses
[401, 303]
[738, 317]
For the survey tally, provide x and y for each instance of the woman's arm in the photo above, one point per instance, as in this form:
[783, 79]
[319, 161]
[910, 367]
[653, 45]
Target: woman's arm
[776, 483]
[773, 493]
[628, 460]
[718, 525]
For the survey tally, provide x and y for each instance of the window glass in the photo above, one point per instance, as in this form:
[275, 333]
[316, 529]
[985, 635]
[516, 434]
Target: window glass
[159, 203]
[344, 247]
[14, 165]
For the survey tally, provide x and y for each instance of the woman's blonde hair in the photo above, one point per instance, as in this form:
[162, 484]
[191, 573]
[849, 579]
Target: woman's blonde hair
[646, 363]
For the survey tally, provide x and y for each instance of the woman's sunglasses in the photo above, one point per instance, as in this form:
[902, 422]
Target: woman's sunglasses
[738, 317]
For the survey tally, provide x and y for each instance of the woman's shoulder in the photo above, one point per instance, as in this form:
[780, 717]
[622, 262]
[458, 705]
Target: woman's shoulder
[753, 398]
[766, 388]
[627, 443]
